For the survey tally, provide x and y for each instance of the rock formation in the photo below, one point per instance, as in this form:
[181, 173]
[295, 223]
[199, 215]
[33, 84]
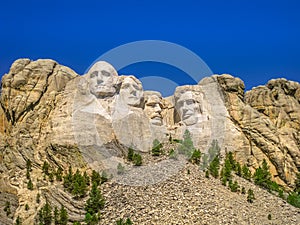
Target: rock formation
[50, 113]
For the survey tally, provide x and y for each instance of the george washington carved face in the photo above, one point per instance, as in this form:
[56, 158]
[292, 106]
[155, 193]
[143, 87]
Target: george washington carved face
[102, 79]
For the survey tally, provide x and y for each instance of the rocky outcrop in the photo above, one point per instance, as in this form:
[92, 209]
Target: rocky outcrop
[50, 113]
[267, 118]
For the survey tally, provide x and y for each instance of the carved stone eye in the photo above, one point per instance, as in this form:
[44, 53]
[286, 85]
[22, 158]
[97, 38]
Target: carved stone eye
[94, 74]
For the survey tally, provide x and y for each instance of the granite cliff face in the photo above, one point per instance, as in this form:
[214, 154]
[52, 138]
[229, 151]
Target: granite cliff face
[50, 113]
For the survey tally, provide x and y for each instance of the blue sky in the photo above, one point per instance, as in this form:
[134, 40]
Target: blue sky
[253, 40]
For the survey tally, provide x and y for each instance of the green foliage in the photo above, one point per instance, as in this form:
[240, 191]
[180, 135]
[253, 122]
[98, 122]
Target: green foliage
[7, 208]
[294, 199]
[269, 216]
[130, 154]
[297, 184]
[26, 207]
[79, 186]
[45, 168]
[63, 216]
[28, 168]
[95, 201]
[18, 221]
[45, 215]
[122, 222]
[173, 154]
[238, 169]
[75, 183]
[120, 168]
[204, 164]
[226, 170]
[28, 165]
[30, 185]
[96, 178]
[262, 176]
[156, 149]
[51, 177]
[196, 157]
[91, 219]
[38, 196]
[68, 180]
[104, 177]
[56, 216]
[86, 178]
[76, 223]
[250, 196]
[234, 187]
[213, 151]
[137, 159]
[207, 174]
[59, 173]
[246, 173]
[243, 190]
[214, 167]
[187, 146]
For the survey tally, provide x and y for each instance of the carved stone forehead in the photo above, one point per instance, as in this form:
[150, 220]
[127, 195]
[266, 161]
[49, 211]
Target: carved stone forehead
[103, 66]
[194, 92]
[129, 79]
[152, 96]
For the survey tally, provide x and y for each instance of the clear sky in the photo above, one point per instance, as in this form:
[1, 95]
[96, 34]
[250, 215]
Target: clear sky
[253, 40]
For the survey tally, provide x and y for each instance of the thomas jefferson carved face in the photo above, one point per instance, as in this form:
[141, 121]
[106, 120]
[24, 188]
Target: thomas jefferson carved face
[187, 108]
[153, 109]
[102, 79]
[131, 91]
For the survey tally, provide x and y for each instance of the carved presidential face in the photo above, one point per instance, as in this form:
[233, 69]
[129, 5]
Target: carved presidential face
[102, 79]
[153, 109]
[187, 108]
[131, 91]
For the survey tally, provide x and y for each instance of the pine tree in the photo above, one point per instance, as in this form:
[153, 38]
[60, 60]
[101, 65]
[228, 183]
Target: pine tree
[250, 196]
[18, 221]
[137, 159]
[45, 168]
[226, 171]
[86, 178]
[38, 196]
[30, 185]
[214, 167]
[68, 180]
[246, 173]
[26, 207]
[95, 201]
[196, 157]
[63, 216]
[238, 169]
[7, 208]
[297, 184]
[56, 216]
[58, 174]
[156, 149]
[187, 146]
[130, 154]
[96, 178]
[45, 215]
[28, 165]
[28, 168]
[262, 176]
